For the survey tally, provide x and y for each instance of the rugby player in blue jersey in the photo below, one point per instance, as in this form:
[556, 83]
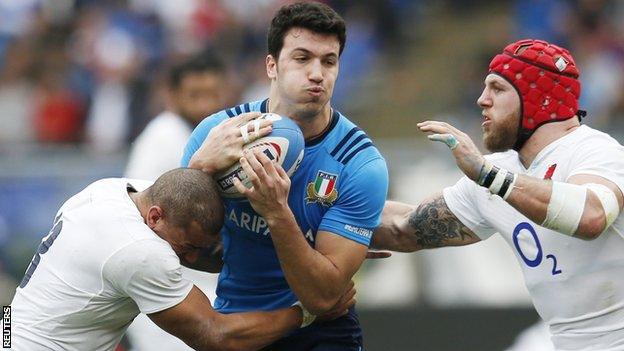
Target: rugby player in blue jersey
[299, 239]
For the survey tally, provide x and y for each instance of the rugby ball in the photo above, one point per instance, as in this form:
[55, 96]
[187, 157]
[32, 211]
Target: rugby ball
[285, 144]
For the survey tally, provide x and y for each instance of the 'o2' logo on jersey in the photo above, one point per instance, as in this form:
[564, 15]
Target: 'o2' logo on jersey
[537, 258]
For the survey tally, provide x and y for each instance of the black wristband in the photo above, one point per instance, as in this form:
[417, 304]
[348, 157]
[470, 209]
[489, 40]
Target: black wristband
[489, 178]
[509, 178]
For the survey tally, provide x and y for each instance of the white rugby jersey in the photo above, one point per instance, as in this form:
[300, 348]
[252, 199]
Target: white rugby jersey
[97, 269]
[577, 286]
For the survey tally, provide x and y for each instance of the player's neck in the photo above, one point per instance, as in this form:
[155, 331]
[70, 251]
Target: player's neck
[312, 125]
[543, 136]
[139, 201]
[143, 204]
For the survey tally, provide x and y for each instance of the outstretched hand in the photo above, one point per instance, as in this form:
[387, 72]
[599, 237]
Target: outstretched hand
[467, 156]
[224, 144]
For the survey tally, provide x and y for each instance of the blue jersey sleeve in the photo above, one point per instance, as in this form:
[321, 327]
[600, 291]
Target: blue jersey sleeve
[199, 135]
[361, 197]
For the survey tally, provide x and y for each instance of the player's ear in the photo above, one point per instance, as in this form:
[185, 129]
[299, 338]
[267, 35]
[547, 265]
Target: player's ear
[271, 66]
[155, 215]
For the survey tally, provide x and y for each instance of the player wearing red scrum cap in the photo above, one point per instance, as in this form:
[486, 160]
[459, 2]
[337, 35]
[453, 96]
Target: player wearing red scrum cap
[549, 183]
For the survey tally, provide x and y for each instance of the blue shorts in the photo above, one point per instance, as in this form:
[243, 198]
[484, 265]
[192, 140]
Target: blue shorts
[342, 334]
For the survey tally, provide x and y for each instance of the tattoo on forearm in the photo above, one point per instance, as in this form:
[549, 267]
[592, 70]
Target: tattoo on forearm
[435, 225]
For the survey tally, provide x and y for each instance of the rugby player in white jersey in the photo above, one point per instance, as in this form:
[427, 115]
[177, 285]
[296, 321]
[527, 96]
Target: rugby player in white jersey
[115, 251]
[552, 188]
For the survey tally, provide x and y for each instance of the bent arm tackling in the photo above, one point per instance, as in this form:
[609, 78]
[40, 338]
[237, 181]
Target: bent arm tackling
[431, 224]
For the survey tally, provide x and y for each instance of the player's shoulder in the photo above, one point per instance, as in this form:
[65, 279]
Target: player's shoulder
[102, 189]
[147, 251]
[587, 137]
[253, 106]
[147, 257]
[349, 145]
[116, 188]
[214, 119]
[112, 210]
[103, 218]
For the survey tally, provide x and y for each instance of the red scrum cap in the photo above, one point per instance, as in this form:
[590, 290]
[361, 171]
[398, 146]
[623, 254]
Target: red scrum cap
[546, 78]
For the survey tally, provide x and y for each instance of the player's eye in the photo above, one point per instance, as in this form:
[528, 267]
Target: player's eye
[496, 88]
[301, 58]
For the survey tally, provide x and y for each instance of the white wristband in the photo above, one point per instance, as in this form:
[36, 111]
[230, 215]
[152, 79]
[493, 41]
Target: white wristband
[511, 186]
[498, 181]
[308, 317]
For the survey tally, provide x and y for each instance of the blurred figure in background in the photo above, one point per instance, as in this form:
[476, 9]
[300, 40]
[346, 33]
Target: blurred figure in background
[195, 89]
[112, 40]
[16, 90]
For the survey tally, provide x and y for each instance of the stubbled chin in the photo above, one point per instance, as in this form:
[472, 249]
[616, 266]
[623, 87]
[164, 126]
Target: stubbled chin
[309, 109]
[493, 145]
[486, 136]
[489, 143]
[314, 103]
[486, 143]
[315, 99]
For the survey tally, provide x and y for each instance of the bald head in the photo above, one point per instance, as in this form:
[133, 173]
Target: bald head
[188, 196]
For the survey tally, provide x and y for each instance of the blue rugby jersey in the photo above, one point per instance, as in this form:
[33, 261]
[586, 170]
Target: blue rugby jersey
[340, 187]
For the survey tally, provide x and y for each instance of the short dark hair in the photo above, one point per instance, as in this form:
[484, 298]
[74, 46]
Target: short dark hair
[187, 195]
[207, 61]
[314, 16]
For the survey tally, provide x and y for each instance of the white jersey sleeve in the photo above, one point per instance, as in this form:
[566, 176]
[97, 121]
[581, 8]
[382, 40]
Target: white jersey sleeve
[463, 200]
[605, 159]
[150, 274]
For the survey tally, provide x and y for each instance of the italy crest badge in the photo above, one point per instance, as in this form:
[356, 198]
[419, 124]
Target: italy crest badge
[322, 189]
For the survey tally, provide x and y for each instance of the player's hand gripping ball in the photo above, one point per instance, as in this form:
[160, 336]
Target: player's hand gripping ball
[285, 145]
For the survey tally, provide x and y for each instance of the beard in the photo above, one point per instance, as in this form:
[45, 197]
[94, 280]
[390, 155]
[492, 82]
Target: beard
[502, 135]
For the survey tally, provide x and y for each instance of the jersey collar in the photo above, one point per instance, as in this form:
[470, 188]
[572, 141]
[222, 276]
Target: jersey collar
[317, 139]
[264, 108]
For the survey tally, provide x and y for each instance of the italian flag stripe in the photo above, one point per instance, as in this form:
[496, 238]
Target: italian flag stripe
[317, 184]
[331, 183]
[323, 187]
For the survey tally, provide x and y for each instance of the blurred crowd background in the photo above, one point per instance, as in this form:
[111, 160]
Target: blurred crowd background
[80, 79]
